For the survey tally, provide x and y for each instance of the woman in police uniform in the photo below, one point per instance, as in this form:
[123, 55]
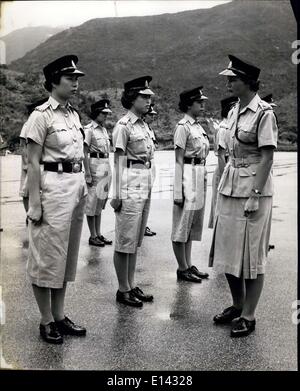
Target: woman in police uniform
[191, 148]
[245, 198]
[97, 169]
[219, 130]
[133, 180]
[57, 195]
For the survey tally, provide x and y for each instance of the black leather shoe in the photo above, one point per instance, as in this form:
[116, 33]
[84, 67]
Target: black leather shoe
[50, 333]
[186, 275]
[96, 242]
[128, 298]
[67, 327]
[141, 295]
[242, 327]
[227, 315]
[104, 240]
[148, 232]
[197, 272]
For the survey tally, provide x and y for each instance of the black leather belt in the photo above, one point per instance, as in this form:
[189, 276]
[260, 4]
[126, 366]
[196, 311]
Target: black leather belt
[194, 160]
[99, 155]
[140, 162]
[73, 167]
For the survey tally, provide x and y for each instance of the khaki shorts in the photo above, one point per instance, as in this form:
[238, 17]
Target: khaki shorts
[98, 193]
[131, 221]
[54, 245]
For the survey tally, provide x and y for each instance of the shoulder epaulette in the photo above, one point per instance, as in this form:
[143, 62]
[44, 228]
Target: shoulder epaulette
[123, 121]
[264, 105]
[43, 107]
[182, 121]
[87, 126]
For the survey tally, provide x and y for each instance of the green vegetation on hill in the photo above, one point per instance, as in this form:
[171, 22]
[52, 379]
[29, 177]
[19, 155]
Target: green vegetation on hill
[17, 90]
[179, 50]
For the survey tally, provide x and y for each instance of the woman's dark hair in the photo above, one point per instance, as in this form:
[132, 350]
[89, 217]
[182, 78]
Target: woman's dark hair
[225, 110]
[128, 97]
[48, 83]
[253, 84]
[184, 106]
[94, 114]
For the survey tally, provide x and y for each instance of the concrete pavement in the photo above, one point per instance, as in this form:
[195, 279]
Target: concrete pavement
[175, 332]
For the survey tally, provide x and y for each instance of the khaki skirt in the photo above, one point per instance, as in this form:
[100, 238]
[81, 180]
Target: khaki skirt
[240, 244]
[98, 193]
[187, 221]
[54, 244]
[131, 220]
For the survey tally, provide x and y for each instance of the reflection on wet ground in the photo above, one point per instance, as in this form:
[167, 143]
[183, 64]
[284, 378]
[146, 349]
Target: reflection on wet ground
[176, 330]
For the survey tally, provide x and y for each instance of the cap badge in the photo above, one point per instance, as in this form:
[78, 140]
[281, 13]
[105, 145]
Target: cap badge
[73, 64]
[146, 83]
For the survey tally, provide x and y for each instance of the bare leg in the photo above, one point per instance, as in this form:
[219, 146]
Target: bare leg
[179, 251]
[188, 251]
[58, 302]
[42, 297]
[253, 292]
[91, 224]
[131, 269]
[98, 224]
[237, 288]
[121, 261]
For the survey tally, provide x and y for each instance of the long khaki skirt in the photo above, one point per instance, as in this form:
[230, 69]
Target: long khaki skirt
[240, 244]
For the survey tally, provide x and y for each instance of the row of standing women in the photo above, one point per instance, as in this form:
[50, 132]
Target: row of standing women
[58, 148]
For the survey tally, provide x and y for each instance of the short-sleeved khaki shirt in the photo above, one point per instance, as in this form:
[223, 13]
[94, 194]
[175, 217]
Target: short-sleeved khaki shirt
[190, 136]
[96, 138]
[221, 135]
[249, 130]
[58, 130]
[132, 135]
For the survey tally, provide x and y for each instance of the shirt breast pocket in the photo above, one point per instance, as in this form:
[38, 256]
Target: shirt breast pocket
[59, 136]
[198, 144]
[102, 143]
[137, 142]
[247, 135]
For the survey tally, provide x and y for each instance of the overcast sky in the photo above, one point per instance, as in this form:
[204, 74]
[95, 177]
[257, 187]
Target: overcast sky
[19, 14]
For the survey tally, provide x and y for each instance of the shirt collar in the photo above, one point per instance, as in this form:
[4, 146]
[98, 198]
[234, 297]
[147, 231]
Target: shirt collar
[252, 105]
[55, 104]
[133, 118]
[95, 124]
[189, 118]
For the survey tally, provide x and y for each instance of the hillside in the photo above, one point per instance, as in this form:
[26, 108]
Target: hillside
[21, 41]
[180, 51]
[193, 44]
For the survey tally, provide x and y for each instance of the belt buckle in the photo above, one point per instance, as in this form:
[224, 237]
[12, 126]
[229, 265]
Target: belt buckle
[75, 167]
[147, 164]
[106, 155]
